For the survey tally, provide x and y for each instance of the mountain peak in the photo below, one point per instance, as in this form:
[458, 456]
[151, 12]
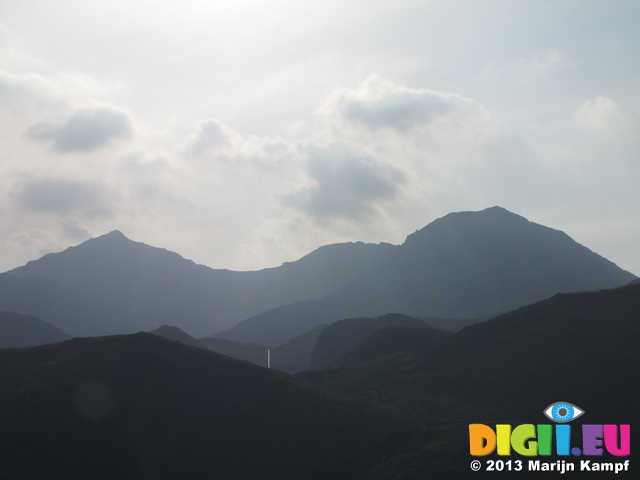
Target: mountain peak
[115, 234]
[112, 236]
[492, 219]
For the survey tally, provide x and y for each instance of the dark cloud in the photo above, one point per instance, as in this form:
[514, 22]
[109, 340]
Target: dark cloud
[60, 196]
[87, 130]
[346, 185]
[378, 103]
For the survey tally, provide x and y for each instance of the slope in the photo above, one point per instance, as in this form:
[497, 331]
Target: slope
[467, 264]
[140, 406]
[340, 337]
[579, 347]
[111, 284]
[18, 330]
[177, 335]
[390, 340]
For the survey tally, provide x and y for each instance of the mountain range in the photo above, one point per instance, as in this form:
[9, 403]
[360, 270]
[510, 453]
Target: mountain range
[579, 347]
[390, 395]
[140, 406]
[465, 265]
[111, 285]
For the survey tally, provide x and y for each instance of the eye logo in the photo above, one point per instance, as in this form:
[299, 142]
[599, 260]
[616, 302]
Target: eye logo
[563, 412]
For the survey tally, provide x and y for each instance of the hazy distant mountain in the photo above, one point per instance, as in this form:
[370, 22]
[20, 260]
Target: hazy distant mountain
[342, 336]
[139, 406]
[177, 335]
[390, 340]
[295, 354]
[467, 264]
[346, 341]
[250, 352]
[18, 330]
[580, 347]
[112, 285]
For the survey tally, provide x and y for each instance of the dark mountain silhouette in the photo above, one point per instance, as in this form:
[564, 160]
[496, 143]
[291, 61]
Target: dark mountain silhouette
[467, 264]
[295, 354]
[342, 336]
[142, 407]
[390, 340]
[249, 352]
[18, 330]
[580, 347]
[454, 324]
[177, 335]
[111, 284]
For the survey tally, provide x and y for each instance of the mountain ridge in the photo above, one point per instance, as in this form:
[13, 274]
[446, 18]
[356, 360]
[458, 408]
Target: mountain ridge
[577, 347]
[110, 285]
[463, 265]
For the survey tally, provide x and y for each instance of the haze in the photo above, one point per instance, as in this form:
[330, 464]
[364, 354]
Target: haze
[243, 134]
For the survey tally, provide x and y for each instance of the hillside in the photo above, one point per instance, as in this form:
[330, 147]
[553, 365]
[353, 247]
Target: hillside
[250, 352]
[340, 337]
[111, 284]
[177, 335]
[464, 265]
[390, 340]
[579, 347]
[18, 330]
[140, 406]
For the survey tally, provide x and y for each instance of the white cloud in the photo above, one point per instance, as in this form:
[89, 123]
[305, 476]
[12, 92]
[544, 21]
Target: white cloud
[603, 116]
[20, 94]
[211, 137]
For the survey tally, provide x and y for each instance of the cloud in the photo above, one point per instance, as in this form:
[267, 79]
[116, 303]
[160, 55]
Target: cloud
[26, 92]
[211, 137]
[603, 116]
[379, 103]
[62, 196]
[344, 184]
[87, 130]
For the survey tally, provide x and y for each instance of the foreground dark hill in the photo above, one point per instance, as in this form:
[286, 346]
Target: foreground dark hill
[581, 348]
[18, 330]
[142, 407]
[112, 285]
[467, 264]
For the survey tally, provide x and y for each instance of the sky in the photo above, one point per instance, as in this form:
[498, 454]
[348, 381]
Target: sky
[246, 133]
